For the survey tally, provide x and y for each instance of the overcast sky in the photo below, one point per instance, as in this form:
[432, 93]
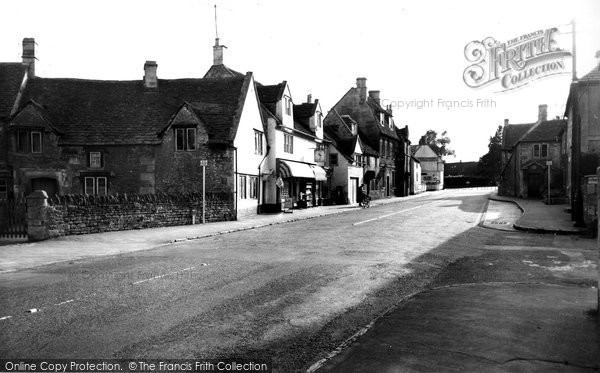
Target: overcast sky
[409, 50]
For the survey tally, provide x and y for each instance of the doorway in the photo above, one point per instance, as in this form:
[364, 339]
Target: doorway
[49, 185]
[353, 190]
[534, 183]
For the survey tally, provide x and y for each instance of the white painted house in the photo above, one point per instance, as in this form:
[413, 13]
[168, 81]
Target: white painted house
[432, 166]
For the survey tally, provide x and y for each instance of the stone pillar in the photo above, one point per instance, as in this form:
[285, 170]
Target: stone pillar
[37, 222]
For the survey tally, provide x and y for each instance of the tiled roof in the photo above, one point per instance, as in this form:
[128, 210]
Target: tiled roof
[545, 131]
[11, 77]
[269, 94]
[512, 133]
[376, 108]
[124, 112]
[338, 129]
[222, 71]
[305, 110]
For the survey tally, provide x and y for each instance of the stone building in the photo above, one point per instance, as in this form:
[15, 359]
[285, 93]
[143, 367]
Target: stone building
[432, 166]
[350, 158]
[527, 150]
[377, 129]
[95, 137]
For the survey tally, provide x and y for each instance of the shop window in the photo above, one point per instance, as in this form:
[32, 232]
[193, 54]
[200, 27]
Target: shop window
[333, 159]
[185, 139]
[258, 142]
[253, 187]
[95, 160]
[288, 143]
[95, 185]
[242, 191]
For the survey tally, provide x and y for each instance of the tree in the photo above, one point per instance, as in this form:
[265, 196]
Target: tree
[490, 164]
[438, 145]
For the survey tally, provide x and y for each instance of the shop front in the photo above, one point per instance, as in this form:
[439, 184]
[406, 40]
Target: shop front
[301, 185]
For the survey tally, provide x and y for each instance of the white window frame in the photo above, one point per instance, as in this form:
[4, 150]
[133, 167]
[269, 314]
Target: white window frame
[288, 143]
[95, 159]
[185, 132]
[258, 142]
[243, 187]
[94, 183]
[288, 105]
[39, 134]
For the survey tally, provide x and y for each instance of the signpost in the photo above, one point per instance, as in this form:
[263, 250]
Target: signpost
[548, 163]
[203, 163]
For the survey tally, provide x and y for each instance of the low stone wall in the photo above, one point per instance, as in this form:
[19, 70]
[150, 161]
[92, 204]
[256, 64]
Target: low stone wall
[79, 214]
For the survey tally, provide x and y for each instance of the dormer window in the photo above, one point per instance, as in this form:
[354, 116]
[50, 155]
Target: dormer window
[288, 105]
[185, 139]
[29, 141]
[382, 119]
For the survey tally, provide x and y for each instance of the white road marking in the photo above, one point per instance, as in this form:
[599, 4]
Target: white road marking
[393, 213]
[166, 274]
[5, 317]
[65, 302]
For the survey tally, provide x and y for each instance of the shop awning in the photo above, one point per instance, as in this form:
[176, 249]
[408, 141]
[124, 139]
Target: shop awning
[295, 169]
[320, 174]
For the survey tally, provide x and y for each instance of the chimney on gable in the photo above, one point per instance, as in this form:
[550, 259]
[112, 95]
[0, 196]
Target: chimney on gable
[361, 85]
[218, 53]
[374, 95]
[309, 99]
[29, 55]
[150, 79]
[542, 113]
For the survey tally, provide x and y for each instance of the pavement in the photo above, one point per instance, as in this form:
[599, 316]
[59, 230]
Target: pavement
[541, 218]
[24, 255]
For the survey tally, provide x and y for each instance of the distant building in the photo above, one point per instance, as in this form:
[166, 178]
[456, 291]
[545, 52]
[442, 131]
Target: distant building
[526, 151]
[432, 166]
[417, 185]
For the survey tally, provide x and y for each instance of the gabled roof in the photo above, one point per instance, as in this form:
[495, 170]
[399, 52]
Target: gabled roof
[424, 152]
[221, 71]
[11, 77]
[124, 112]
[513, 132]
[306, 110]
[549, 130]
[33, 115]
[270, 94]
[338, 129]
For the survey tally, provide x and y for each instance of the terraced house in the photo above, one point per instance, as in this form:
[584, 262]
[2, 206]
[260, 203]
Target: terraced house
[377, 129]
[145, 136]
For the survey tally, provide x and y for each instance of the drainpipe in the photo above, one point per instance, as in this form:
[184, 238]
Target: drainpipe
[259, 183]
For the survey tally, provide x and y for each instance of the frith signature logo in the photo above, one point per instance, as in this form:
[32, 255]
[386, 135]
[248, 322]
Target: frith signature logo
[516, 62]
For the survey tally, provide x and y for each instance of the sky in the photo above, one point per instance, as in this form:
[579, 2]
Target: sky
[411, 51]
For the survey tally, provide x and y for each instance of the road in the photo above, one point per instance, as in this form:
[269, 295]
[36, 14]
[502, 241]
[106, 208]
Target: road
[290, 292]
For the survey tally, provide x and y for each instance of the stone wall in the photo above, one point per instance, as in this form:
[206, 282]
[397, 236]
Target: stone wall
[82, 214]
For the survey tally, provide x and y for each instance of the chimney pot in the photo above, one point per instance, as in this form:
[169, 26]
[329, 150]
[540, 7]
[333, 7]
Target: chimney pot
[361, 85]
[150, 78]
[543, 113]
[29, 55]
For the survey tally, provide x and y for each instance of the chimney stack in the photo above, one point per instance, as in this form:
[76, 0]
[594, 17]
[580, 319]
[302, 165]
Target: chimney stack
[218, 53]
[506, 122]
[374, 95]
[29, 55]
[150, 79]
[542, 113]
[361, 85]
[309, 99]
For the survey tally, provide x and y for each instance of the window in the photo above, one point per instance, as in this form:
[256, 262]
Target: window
[382, 119]
[333, 159]
[185, 139]
[258, 142]
[29, 141]
[95, 185]
[540, 150]
[3, 189]
[319, 120]
[357, 159]
[381, 149]
[253, 187]
[242, 190]
[95, 160]
[288, 105]
[288, 143]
